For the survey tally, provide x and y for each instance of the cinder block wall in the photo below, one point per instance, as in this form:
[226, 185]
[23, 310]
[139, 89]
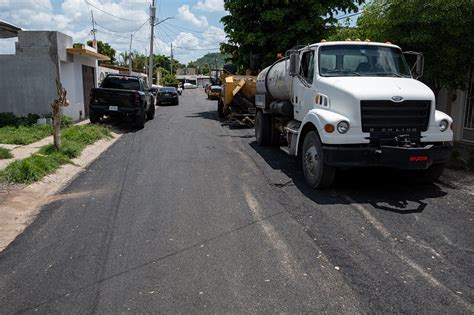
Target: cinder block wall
[27, 79]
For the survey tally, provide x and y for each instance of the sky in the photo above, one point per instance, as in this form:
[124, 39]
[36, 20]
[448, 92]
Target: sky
[194, 29]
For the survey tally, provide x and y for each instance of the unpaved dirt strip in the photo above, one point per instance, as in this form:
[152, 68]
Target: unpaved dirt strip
[19, 208]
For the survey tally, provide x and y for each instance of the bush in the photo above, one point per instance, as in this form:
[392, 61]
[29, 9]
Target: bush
[8, 119]
[66, 121]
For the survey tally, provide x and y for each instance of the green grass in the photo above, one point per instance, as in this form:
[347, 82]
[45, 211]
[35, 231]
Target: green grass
[48, 159]
[24, 134]
[5, 154]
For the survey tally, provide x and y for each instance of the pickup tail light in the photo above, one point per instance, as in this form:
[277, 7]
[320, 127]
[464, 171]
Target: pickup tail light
[137, 99]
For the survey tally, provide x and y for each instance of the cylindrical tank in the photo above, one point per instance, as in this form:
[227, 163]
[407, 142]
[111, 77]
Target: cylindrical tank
[278, 81]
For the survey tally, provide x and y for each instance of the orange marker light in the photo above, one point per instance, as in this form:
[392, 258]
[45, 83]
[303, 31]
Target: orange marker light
[323, 40]
[316, 99]
[348, 40]
[329, 128]
[367, 40]
[357, 39]
[387, 42]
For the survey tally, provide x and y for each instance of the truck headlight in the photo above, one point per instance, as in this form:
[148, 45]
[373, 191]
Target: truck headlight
[443, 125]
[343, 127]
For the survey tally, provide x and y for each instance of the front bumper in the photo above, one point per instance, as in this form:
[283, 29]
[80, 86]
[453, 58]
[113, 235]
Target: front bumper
[387, 156]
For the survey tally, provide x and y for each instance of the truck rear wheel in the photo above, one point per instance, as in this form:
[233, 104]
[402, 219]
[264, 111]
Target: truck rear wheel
[140, 119]
[316, 172]
[94, 117]
[220, 108]
[263, 128]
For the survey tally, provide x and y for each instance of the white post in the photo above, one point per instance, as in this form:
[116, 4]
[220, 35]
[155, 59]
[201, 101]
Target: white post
[152, 26]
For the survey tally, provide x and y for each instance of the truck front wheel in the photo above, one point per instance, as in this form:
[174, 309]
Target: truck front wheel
[431, 174]
[263, 128]
[316, 172]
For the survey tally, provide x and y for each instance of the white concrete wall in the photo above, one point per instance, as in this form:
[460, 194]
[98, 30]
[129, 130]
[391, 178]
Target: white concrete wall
[456, 112]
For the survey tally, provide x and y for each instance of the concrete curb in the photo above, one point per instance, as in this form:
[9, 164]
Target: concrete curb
[18, 209]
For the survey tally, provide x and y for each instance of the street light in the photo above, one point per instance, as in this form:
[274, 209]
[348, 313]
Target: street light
[164, 20]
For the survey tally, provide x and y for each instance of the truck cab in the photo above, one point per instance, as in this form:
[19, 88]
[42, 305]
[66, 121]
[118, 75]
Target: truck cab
[352, 104]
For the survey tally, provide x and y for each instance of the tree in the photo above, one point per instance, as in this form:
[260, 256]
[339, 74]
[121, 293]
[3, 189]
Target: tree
[105, 49]
[440, 29]
[57, 107]
[169, 79]
[265, 28]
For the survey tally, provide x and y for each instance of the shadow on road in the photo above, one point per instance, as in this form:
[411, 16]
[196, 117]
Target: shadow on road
[212, 115]
[384, 189]
[120, 125]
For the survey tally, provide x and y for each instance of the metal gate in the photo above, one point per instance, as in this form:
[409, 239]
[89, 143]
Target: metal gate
[88, 82]
[468, 125]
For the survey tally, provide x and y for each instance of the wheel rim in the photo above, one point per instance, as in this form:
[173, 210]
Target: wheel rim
[311, 161]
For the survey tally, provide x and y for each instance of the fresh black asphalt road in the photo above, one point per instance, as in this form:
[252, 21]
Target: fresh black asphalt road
[186, 216]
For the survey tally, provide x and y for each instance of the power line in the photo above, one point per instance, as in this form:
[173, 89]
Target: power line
[108, 13]
[193, 31]
[122, 32]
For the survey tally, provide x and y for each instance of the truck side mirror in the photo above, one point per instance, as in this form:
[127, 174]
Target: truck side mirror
[419, 66]
[294, 63]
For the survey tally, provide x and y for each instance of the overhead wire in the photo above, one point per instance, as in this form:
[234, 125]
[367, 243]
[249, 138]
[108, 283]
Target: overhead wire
[108, 13]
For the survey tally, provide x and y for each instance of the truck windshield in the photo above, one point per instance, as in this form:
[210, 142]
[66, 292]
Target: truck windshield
[362, 60]
[122, 83]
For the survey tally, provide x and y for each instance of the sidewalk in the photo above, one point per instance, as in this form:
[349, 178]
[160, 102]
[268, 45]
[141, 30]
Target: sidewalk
[23, 151]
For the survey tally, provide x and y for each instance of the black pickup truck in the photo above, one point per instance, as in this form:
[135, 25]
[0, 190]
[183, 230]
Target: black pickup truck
[123, 95]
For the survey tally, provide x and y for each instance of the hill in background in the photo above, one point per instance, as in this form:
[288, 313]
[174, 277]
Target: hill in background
[209, 60]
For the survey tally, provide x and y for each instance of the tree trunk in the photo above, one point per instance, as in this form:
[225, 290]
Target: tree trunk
[57, 106]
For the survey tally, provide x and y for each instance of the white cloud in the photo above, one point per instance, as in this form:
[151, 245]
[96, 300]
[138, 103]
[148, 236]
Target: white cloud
[210, 5]
[186, 15]
[72, 17]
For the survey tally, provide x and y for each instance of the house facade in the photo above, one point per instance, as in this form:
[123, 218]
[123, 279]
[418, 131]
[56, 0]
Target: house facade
[28, 77]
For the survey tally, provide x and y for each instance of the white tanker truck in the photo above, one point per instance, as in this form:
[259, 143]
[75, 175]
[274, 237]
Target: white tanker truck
[352, 104]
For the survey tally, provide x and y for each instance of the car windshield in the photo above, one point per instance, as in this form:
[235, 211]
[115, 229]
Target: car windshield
[168, 90]
[122, 83]
[362, 60]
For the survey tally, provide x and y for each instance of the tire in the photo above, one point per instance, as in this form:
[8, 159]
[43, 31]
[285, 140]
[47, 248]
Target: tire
[429, 175]
[263, 128]
[220, 108]
[94, 117]
[151, 113]
[275, 134]
[140, 119]
[316, 172]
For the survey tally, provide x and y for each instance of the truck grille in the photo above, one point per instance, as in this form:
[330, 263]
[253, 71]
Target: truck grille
[392, 117]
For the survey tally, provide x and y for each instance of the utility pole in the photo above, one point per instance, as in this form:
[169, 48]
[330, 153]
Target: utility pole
[152, 27]
[93, 31]
[130, 56]
[171, 64]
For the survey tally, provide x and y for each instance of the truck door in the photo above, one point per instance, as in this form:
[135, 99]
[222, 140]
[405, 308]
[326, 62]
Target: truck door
[303, 92]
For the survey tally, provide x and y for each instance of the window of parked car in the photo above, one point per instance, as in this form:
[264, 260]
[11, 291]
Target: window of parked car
[122, 83]
[167, 90]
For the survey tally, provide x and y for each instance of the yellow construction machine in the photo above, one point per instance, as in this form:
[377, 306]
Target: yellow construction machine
[236, 102]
